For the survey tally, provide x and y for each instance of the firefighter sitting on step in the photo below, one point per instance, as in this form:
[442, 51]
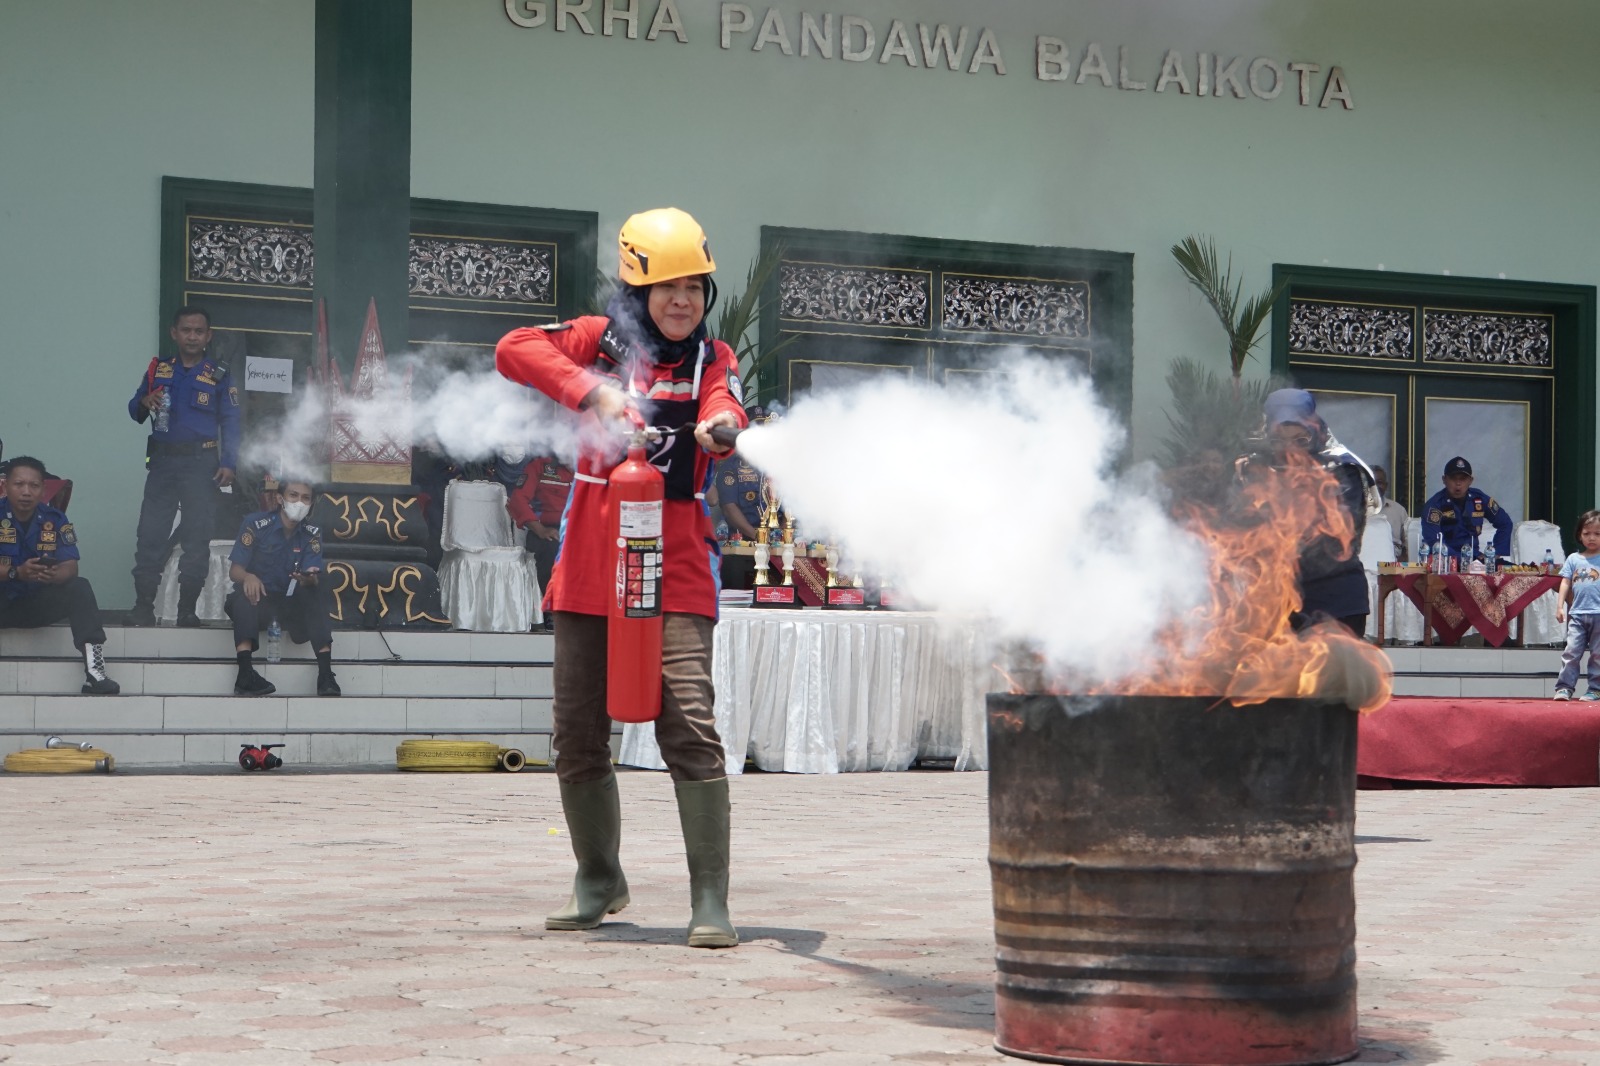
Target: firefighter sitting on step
[650, 353]
[277, 570]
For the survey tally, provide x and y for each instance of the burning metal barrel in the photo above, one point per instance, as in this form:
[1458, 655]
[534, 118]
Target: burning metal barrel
[1173, 879]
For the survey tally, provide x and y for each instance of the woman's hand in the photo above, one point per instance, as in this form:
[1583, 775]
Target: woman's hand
[702, 432]
[608, 403]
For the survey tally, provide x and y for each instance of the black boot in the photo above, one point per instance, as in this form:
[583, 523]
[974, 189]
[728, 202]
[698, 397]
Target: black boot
[144, 603]
[95, 681]
[188, 596]
[326, 685]
[250, 683]
[594, 821]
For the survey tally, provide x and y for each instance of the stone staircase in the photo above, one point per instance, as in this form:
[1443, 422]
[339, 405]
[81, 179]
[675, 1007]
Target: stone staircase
[1476, 673]
[177, 706]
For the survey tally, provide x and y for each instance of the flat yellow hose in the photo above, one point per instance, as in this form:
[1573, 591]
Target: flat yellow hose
[457, 756]
[60, 761]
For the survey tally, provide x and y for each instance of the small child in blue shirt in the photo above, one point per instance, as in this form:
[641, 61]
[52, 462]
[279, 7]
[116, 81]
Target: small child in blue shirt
[1580, 585]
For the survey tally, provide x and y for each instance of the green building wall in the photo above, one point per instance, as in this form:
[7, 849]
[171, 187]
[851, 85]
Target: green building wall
[1472, 148]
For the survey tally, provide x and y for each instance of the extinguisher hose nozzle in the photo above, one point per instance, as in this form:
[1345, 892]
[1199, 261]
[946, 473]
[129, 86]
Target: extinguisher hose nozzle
[727, 436]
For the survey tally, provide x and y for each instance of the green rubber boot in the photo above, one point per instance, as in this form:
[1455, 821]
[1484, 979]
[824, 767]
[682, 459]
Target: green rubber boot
[703, 810]
[594, 820]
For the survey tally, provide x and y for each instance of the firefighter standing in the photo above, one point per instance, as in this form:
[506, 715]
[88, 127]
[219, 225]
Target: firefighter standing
[191, 401]
[651, 353]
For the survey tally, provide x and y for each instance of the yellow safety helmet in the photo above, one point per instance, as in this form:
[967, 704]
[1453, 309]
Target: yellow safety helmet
[662, 244]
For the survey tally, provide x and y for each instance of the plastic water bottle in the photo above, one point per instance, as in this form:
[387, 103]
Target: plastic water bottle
[1441, 561]
[1422, 557]
[164, 411]
[274, 641]
[1549, 562]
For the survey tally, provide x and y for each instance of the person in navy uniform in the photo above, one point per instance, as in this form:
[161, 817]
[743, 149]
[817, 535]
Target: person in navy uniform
[739, 488]
[1331, 580]
[197, 399]
[1458, 512]
[277, 571]
[39, 582]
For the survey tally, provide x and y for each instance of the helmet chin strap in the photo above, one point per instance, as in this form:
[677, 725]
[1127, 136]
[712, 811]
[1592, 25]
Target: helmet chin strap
[711, 292]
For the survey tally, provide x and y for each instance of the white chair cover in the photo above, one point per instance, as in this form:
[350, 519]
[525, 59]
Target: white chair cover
[488, 582]
[1529, 541]
[830, 692]
[491, 590]
[1402, 621]
[475, 516]
[213, 595]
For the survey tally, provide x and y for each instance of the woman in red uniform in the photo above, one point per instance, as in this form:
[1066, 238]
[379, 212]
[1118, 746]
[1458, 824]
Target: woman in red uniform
[649, 352]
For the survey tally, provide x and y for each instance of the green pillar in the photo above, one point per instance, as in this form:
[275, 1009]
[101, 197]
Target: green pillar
[362, 203]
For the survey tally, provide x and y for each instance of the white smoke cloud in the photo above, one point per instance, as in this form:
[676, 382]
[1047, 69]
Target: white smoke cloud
[467, 415]
[998, 500]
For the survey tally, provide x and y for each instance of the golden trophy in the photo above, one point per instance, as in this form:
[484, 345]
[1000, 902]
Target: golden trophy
[768, 535]
[843, 593]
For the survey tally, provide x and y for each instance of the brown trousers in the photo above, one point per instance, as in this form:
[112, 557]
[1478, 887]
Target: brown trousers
[686, 732]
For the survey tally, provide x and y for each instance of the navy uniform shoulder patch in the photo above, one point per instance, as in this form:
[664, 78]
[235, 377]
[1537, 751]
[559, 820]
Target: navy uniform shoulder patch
[247, 538]
[68, 535]
[233, 395]
[163, 369]
[1493, 508]
[1434, 516]
[316, 545]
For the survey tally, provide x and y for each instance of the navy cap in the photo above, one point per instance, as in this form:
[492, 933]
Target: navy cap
[756, 413]
[1458, 465]
[1290, 405]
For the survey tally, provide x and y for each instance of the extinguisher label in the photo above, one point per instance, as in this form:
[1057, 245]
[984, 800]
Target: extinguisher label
[640, 518]
[639, 584]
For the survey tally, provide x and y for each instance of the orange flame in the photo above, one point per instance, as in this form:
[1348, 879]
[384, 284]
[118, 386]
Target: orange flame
[1240, 645]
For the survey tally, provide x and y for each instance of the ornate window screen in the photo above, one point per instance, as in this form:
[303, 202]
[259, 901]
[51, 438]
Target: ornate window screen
[1016, 306]
[468, 269]
[1488, 338]
[281, 255]
[250, 253]
[854, 295]
[1366, 331]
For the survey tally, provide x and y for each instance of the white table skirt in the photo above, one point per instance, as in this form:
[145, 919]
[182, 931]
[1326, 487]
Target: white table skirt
[828, 692]
[213, 595]
[491, 590]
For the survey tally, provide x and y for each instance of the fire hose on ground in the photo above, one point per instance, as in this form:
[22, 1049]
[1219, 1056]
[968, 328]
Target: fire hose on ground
[61, 757]
[457, 756]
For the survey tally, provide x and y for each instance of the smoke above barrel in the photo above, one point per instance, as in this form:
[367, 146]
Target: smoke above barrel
[1006, 501]
[466, 415]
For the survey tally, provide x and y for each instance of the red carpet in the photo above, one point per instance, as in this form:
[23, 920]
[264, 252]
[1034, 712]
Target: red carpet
[1481, 742]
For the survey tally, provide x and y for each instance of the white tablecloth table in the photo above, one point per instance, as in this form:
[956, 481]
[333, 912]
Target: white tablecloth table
[826, 692]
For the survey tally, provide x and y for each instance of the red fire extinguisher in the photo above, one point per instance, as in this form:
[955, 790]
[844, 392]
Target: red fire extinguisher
[633, 629]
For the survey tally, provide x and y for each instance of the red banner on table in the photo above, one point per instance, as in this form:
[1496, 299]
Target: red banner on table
[1485, 602]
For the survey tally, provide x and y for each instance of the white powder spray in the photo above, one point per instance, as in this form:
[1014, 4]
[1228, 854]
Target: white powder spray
[999, 500]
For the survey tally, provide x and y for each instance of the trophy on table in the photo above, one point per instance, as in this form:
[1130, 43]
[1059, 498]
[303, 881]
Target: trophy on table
[768, 534]
[843, 592]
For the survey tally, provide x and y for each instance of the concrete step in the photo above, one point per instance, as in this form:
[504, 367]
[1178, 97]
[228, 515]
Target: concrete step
[215, 642]
[294, 677]
[1475, 660]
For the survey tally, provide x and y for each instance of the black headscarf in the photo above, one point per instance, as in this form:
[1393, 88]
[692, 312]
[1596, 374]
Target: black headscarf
[629, 311]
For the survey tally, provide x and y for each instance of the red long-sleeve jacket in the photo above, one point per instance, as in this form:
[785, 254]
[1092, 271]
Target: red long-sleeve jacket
[565, 362]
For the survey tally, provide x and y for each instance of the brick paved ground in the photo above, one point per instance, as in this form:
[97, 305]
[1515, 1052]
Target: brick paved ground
[299, 918]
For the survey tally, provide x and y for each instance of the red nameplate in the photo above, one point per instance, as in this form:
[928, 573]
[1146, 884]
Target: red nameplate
[774, 595]
[847, 597]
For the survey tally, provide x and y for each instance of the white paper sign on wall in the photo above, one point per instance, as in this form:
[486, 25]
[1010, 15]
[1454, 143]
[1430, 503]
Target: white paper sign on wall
[262, 374]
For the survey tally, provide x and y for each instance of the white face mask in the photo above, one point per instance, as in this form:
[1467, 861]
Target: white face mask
[296, 511]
